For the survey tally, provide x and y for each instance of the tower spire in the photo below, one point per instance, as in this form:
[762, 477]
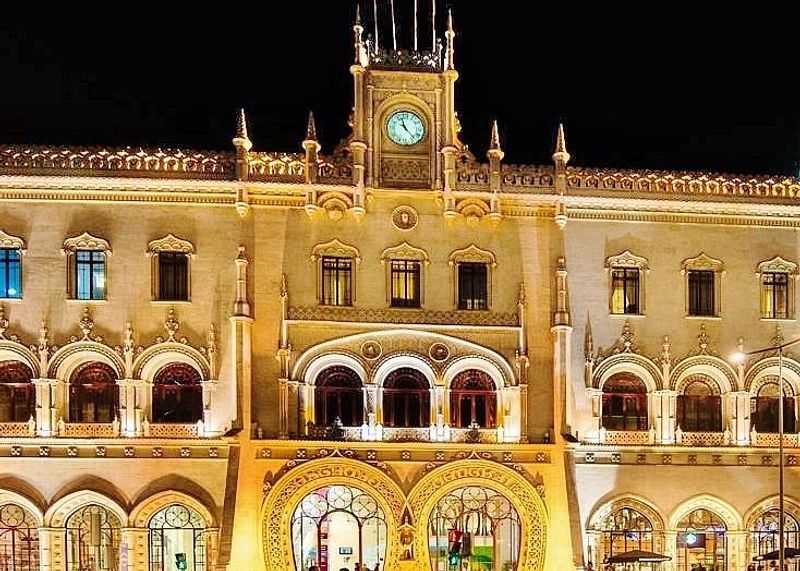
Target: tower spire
[242, 144]
[495, 155]
[312, 148]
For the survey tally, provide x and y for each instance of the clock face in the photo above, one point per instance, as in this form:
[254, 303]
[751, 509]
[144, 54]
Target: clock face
[405, 128]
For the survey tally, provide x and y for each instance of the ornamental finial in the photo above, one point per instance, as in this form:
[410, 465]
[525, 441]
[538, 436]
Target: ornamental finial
[628, 337]
[561, 154]
[311, 130]
[702, 339]
[494, 145]
[242, 140]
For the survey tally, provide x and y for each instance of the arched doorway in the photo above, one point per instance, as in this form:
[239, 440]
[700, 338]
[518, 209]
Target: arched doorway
[623, 530]
[406, 399]
[764, 533]
[177, 534]
[473, 400]
[17, 394]
[624, 403]
[338, 394]
[93, 539]
[338, 526]
[19, 539]
[702, 542]
[93, 394]
[474, 529]
[177, 394]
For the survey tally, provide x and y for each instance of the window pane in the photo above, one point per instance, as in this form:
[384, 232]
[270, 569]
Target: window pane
[336, 281]
[701, 292]
[472, 286]
[10, 274]
[625, 290]
[405, 281]
[173, 276]
[775, 295]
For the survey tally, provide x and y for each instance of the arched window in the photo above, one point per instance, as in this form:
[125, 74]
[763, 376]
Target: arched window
[93, 394]
[764, 409]
[702, 542]
[335, 526]
[489, 526]
[700, 406]
[625, 530]
[177, 394]
[624, 403]
[406, 399]
[93, 539]
[19, 539]
[764, 535]
[177, 534]
[472, 399]
[17, 394]
[338, 394]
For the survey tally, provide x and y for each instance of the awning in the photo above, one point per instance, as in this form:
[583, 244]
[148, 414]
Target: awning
[788, 553]
[638, 555]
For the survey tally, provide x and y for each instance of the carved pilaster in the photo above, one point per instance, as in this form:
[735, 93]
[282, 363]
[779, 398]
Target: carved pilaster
[562, 384]
[133, 549]
[45, 424]
[595, 397]
[561, 316]
[739, 406]
[127, 407]
[663, 405]
[283, 408]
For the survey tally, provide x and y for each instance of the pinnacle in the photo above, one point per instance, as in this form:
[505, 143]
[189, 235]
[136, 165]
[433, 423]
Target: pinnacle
[311, 131]
[494, 145]
[561, 153]
[241, 126]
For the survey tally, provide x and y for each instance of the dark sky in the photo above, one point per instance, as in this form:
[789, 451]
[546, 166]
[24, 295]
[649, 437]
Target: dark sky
[652, 85]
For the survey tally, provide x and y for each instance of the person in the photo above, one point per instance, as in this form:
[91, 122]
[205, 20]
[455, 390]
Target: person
[357, 566]
[313, 568]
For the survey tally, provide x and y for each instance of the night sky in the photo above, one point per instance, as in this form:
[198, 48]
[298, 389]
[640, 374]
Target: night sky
[660, 86]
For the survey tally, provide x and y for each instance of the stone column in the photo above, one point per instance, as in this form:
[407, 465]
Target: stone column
[379, 405]
[134, 550]
[670, 549]
[58, 402]
[664, 407]
[45, 426]
[562, 379]
[523, 412]
[209, 388]
[283, 408]
[303, 396]
[596, 400]
[127, 407]
[51, 549]
[739, 421]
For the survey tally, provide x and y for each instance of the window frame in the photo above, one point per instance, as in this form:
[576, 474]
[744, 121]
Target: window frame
[12, 243]
[472, 254]
[774, 267]
[405, 252]
[703, 263]
[335, 249]
[342, 270]
[411, 273]
[169, 244]
[86, 243]
[627, 262]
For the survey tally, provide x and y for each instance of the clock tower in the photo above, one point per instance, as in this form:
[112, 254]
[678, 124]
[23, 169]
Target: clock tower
[405, 130]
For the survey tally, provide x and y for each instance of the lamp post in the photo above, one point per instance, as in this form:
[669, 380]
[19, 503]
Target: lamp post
[740, 357]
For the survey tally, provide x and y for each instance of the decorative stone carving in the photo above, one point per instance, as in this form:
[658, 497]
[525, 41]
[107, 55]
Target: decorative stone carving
[403, 316]
[170, 243]
[627, 260]
[404, 217]
[11, 242]
[371, 350]
[473, 254]
[405, 251]
[335, 248]
[86, 242]
[439, 352]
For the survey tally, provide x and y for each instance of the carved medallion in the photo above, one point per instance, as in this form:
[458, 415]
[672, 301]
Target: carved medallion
[404, 218]
[439, 352]
[371, 350]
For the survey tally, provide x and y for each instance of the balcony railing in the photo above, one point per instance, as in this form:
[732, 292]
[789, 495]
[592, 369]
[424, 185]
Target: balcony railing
[16, 429]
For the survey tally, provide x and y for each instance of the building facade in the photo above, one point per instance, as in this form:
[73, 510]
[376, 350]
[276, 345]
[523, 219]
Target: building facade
[396, 354]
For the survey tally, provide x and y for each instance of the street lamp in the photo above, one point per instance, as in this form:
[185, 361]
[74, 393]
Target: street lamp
[739, 357]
